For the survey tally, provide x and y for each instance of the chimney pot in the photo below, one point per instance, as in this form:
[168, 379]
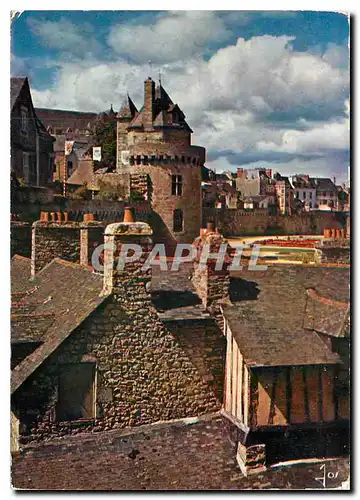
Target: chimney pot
[88, 217]
[128, 216]
[45, 216]
[210, 226]
[66, 217]
[52, 215]
[58, 215]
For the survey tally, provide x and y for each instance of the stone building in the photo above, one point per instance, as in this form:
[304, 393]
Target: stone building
[67, 125]
[326, 193]
[154, 147]
[283, 190]
[304, 190]
[32, 157]
[91, 352]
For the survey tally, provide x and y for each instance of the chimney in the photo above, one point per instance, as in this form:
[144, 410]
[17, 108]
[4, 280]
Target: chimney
[66, 240]
[149, 97]
[210, 284]
[91, 236]
[130, 277]
[240, 172]
[128, 217]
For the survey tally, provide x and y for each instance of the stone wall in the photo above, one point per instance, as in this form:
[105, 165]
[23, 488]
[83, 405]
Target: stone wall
[145, 371]
[73, 241]
[258, 222]
[333, 251]
[51, 240]
[20, 238]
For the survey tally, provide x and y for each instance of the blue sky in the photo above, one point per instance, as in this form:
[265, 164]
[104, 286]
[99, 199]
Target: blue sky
[259, 88]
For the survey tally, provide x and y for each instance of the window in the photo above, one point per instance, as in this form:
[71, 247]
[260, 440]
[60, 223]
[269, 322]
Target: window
[331, 194]
[76, 392]
[178, 220]
[297, 194]
[310, 195]
[69, 167]
[26, 169]
[310, 204]
[304, 195]
[176, 185]
[24, 119]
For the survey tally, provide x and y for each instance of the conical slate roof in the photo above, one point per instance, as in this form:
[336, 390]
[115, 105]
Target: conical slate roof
[128, 109]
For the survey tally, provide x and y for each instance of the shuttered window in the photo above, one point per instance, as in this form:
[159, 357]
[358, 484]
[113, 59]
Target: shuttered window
[76, 392]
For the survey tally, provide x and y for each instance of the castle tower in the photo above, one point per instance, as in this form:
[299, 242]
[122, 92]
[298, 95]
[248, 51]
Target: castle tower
[156, 143]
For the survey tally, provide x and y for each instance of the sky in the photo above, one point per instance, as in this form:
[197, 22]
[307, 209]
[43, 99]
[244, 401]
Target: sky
[258, 88]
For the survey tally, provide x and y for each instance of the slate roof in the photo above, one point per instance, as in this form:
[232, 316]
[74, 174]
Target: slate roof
[64, 119]
[16, 84]
[128, 109]
[269, 323]
[323, 184]
[300, 182]
[174, 295]
[325, 315]
[191, 454]
[68, 292]
[19, 273]
[163, 108]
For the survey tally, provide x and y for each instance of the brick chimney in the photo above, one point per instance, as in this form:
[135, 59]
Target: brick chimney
[239, 172]
[130, 278]
[149, 97]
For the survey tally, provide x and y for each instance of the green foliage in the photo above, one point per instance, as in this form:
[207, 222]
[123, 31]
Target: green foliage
[108, 191]
[105, 136]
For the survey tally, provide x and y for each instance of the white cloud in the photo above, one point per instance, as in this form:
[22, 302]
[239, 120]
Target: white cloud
[65, 36]
[175, 36]
[257, 95]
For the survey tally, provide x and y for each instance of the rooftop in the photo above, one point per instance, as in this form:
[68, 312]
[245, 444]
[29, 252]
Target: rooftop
[270, 319]
[189, 454]
[60, 297]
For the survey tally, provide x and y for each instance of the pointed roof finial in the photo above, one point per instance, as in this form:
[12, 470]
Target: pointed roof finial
[160, 78]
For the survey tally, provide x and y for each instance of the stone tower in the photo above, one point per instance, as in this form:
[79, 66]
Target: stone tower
[154, 147]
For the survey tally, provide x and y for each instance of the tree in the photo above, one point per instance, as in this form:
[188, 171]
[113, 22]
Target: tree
[105, 136]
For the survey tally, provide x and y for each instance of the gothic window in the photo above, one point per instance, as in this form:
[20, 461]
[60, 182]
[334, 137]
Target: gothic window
[178, 220]
[176, 185]
[76, 392]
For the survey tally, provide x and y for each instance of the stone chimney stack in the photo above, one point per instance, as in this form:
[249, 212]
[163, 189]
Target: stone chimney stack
[128, 277]
[64, 239]
[149, 97]
[211, 284]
